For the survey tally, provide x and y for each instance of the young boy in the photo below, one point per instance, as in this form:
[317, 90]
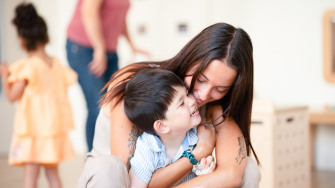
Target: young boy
[158, 103]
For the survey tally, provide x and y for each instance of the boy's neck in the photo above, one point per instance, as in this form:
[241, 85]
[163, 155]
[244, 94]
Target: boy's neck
[172, 142]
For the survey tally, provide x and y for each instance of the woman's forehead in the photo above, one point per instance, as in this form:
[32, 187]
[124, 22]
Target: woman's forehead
[217, 71]
[220, 73]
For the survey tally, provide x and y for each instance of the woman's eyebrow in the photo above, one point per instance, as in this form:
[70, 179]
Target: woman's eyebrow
[226, 87]
[202, 74]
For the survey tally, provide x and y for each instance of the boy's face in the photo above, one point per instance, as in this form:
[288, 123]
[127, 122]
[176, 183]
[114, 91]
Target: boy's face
[182, 113]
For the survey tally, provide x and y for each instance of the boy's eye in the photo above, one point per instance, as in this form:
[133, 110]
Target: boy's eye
[182, 104]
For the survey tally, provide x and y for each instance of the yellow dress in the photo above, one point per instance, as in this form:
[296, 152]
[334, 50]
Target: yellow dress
[43, 116]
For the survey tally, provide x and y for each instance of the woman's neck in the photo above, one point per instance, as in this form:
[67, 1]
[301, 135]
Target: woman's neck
[172, 142]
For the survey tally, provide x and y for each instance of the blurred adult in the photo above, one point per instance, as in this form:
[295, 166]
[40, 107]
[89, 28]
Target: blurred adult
[92, 38]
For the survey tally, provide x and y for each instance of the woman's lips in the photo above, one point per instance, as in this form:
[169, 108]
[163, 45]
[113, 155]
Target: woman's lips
[198, 100]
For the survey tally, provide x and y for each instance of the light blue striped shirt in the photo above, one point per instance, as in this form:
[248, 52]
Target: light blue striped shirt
[150, 154]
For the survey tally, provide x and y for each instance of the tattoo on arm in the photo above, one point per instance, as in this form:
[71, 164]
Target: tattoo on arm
[132, 143]
[242, 152]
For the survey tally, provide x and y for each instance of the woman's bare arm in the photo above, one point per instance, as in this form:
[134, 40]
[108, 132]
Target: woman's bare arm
[231, 157]
[123, 135]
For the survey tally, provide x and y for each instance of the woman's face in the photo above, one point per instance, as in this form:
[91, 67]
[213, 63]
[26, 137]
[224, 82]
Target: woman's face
[213, 83]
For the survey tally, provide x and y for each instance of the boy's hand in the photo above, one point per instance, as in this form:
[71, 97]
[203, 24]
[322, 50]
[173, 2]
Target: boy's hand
[206, 162]
[206, 141]
[205, 166]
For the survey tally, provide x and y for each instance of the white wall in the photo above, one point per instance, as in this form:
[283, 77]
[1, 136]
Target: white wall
[286, 34]
[9, 53]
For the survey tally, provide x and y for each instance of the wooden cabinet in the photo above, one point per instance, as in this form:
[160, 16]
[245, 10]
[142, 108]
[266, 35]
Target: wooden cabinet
[280, 136]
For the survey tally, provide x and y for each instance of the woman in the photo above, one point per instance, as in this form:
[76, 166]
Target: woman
[217, 67]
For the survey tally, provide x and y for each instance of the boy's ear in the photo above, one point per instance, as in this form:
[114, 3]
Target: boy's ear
[160, 127]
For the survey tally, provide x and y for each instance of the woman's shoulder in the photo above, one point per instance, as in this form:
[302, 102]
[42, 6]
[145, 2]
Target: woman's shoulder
[215, 114]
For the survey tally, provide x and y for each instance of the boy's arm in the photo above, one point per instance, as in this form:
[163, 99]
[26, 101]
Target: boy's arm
[230, 160]
[13, 91]
[178, 170]
[136, 182]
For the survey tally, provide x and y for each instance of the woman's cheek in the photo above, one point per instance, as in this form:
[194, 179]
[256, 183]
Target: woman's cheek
[219, 96]
[187, 81]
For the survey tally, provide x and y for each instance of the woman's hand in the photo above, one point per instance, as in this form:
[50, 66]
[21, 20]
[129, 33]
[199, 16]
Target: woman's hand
[206, 141]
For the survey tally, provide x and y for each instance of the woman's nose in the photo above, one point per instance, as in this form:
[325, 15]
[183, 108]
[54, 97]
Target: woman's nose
[204, 93]
[191, 100]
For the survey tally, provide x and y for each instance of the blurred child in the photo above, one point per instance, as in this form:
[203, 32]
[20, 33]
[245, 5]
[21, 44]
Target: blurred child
[158, 103]
[43, 115]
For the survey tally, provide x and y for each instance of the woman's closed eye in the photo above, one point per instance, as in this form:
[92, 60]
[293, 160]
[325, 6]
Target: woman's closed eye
[220, 90]
[200, 81]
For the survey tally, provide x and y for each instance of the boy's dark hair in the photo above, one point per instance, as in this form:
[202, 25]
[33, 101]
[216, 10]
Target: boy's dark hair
[148, 95]
[30, 26]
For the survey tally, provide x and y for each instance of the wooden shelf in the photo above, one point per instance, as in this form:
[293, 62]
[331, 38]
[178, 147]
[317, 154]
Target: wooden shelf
[322, 117]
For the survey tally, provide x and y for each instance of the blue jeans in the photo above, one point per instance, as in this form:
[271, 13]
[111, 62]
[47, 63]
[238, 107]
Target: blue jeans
[79, 57]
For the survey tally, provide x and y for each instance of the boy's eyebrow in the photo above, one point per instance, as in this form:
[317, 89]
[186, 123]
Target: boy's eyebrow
[181, 99]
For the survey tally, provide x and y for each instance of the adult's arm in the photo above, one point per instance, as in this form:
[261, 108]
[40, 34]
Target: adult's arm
[90, 14]
[131, 43]
[127, 36]
[231, 156]
[136, 182]
[123, 135]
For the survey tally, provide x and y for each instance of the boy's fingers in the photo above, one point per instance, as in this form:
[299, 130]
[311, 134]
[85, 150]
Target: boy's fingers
[209, 159]
[202, 163]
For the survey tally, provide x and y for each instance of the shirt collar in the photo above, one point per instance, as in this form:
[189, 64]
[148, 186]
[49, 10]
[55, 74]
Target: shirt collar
[189, 142]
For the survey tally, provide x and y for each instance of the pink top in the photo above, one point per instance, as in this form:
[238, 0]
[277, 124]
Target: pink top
[113, 18]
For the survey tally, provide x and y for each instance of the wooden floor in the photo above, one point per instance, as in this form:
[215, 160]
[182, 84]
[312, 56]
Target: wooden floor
[12, 177]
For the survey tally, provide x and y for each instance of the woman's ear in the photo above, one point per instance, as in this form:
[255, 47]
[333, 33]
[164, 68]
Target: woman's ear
[160, 127]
